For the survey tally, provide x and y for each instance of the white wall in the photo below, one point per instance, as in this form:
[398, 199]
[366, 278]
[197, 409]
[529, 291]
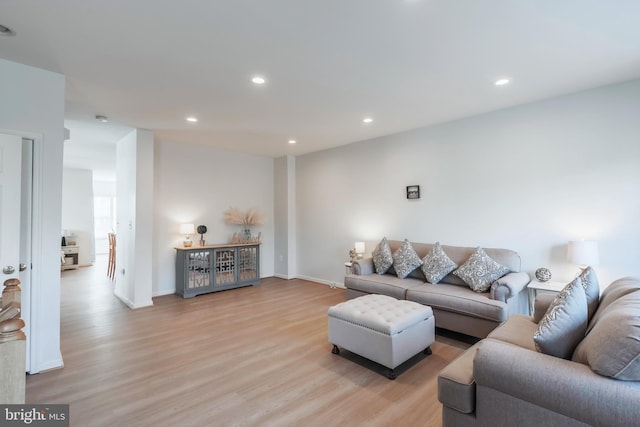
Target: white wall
[134, 216]
[33, 105]
[77, 211]
[196, 184]
[285, 220]
[528, 178]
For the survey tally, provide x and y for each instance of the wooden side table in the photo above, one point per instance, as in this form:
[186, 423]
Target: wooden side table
[536, 286]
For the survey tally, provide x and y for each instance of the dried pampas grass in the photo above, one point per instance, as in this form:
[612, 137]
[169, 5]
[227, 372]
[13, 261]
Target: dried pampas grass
[236, 217]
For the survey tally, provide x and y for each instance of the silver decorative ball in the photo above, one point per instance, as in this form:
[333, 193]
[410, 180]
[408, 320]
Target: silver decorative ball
[543, 274]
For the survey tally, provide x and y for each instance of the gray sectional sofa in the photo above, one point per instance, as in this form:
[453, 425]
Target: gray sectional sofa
[455, 306]
[504, 381]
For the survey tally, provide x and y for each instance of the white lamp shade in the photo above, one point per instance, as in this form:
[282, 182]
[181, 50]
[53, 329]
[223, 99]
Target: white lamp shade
[359, 247]
[187, 229]
[583, 252]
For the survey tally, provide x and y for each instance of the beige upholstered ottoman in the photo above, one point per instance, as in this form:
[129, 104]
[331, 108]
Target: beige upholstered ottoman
[381, 328]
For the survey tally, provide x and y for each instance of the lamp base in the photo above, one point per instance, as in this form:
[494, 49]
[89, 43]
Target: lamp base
[187, 243]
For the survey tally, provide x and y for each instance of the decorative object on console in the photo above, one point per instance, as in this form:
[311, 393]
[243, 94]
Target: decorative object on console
[202, 229]
[583, 253]
[413, 191]
[543, 274]
[253, 216]
[187, 230]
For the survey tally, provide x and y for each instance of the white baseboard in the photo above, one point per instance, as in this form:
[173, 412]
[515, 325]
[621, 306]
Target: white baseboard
[285, 277]
[164, 292]
[323, 281]
[130, 304]
[49, 365]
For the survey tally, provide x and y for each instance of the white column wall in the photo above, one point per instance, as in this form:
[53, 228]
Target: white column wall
[134, 217]
[33, 105]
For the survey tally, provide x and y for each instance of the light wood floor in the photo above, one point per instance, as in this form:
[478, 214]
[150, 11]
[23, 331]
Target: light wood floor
[250, 356]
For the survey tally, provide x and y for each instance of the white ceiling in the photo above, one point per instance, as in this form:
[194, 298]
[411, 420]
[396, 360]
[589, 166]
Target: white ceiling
[328, 63]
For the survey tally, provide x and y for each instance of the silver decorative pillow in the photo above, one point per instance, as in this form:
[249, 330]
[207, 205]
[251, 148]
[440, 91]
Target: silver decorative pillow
[382, 258]
[591, 289]
[612, 347]
[565, 322]
[405, 260]
[480, 270]
[437, 264]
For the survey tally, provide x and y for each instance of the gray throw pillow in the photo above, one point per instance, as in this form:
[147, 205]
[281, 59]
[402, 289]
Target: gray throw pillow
[565, 322]
[612, 347]
[437, 264]
[480, 270]
[382, 258]
[405, 260]
[591, 289]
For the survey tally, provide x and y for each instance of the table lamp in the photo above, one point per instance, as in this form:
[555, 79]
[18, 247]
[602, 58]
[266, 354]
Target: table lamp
[583, 252]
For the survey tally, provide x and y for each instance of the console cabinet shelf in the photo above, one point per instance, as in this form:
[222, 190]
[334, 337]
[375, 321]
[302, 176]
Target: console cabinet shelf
[212, 268]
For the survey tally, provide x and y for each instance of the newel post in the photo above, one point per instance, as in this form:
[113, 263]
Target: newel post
[12, 346]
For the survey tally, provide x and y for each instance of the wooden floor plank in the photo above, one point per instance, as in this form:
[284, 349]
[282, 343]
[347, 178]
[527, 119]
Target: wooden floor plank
[251, 356]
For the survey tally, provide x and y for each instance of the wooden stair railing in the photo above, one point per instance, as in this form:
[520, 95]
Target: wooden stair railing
[13, 345]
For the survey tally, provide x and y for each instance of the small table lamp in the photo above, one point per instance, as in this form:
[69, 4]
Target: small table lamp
[583, 253]
[359, 246]
[187, 230]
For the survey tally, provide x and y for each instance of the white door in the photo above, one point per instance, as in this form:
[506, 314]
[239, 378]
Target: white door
[10, 174]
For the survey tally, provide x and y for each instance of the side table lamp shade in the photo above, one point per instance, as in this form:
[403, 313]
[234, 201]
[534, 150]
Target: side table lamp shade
[583, 252]
[187, 230]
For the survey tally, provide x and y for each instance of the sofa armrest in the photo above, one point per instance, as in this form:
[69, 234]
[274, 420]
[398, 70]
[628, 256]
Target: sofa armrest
[509, 286]
[558, 385]
[541, 304]
[363, 266]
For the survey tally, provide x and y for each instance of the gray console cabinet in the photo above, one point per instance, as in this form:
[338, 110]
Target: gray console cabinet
[212, 268]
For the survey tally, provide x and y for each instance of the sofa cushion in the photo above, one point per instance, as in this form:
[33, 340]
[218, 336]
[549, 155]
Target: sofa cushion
[384, 284]
[480, 270]
[405, 260]
[612, 347]
[458, 299]
[611, 293]
[518, 330]
[437, 264]
[565, 322]
[591, 289]
[382, 258]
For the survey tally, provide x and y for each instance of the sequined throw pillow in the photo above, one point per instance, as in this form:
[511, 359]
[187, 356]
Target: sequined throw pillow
[382, 258]
[565, 322]
[480, 270]
[437, 264]
[405, 260]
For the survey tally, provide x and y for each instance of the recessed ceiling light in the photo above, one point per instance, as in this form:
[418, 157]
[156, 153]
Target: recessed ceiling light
[103, 119]
[192, 119]
[6, 31]
[367, 120]
[501, 82]
[259, 80]
[292, 141]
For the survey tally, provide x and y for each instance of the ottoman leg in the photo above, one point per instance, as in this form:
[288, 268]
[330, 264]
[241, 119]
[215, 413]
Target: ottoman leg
[427, 351]
[391, 374]
[335, 349]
